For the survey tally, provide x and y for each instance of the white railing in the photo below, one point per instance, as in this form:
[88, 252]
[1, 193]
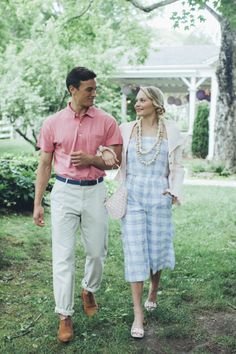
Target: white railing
[6, 131]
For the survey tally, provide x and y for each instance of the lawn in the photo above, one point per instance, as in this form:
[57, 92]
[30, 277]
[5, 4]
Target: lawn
[16, 146]
[196, 302]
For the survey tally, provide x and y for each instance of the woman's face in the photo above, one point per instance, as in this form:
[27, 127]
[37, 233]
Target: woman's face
[144, 106]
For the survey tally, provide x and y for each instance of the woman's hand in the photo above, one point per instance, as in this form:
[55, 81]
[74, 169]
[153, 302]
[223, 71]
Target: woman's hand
[174, 198]
[109, 158]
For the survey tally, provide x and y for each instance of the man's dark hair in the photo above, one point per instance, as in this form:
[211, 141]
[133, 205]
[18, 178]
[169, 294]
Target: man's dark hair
[78, 74]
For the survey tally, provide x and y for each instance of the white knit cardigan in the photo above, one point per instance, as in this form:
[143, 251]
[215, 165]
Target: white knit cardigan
[175, 146]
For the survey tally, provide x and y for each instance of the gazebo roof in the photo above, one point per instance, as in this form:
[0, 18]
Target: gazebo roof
[183, 55]
[166, 67]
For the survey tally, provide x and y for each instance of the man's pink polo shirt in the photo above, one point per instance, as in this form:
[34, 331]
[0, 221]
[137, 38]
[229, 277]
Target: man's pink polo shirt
[65, 132]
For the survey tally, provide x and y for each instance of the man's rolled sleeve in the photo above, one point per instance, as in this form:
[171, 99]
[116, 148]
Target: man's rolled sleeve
[113, 136]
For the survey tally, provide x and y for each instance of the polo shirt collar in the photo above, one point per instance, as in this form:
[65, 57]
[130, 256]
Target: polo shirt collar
[90, 111]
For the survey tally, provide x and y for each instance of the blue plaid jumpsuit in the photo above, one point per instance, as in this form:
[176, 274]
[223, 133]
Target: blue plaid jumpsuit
[147, 229]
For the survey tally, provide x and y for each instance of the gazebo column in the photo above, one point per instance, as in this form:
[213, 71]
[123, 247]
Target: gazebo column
[212, 115]
[123, 107]
[192, 103]
[192, 87]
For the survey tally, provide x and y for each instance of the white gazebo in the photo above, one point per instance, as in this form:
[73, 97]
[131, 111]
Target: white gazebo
[176, 69]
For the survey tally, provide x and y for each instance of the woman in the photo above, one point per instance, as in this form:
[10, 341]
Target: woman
[152, 170]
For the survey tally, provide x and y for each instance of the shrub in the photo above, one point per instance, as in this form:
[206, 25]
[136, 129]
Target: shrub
[200, 166]
[17, 179]
[111, 186]
[201, 132]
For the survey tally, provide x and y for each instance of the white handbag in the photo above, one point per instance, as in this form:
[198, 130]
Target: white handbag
[116, 203]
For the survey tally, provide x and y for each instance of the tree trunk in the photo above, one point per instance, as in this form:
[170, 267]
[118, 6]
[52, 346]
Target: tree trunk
[225, 129]
[24, 136]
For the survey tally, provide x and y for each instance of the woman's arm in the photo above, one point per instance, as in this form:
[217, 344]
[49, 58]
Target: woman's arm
[176, 175]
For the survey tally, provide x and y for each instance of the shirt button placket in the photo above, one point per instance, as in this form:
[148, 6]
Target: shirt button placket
[80, 125]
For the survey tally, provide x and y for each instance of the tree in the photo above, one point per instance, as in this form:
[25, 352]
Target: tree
[43, 40]
[225, 12]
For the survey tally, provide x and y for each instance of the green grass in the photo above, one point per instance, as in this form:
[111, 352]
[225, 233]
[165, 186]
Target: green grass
[16, 146]
[202, 285]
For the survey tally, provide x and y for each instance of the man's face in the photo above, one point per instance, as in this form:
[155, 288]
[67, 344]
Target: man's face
[85, 94]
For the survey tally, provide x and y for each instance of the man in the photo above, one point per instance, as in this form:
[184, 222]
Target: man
[72, 137]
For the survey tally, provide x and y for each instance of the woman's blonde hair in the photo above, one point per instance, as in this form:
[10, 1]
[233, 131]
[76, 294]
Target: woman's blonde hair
[156, 96]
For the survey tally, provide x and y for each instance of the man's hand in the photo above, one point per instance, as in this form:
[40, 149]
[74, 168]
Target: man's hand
[39, 216]
[80, 158]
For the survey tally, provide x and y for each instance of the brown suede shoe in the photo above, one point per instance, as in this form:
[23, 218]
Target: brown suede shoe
[89, 303]
[65, 332]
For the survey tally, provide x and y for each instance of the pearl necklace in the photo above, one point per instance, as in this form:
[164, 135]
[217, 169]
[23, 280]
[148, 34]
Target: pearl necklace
[157, 144]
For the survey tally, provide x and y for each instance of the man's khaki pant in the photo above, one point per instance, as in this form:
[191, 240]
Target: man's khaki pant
[74, 206]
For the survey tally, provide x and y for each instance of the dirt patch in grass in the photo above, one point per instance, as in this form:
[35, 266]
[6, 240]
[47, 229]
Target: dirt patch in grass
[219, 326]
[152, 344]
[219, 323]
[4, 263]
[14, 250]
[218, 336]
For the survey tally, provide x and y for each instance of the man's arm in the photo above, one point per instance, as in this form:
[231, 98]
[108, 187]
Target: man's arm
[43, 176]
[79, 158]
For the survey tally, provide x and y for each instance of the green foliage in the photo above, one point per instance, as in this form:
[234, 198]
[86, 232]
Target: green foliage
[131, 113]
[228, 9]
[191, 12]
[49, 39]
[109, 99]
[187, 17]
[111, 186]
[201, 132]
[203, 166]
[17, 179]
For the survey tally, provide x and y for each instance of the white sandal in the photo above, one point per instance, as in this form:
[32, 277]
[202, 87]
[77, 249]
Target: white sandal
[150, 305]
[137, 333]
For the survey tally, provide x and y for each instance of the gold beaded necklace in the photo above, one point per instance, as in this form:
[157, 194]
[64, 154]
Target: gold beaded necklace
[157, 144]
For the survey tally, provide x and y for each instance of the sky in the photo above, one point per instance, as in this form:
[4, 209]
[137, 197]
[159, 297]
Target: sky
[210, 27]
